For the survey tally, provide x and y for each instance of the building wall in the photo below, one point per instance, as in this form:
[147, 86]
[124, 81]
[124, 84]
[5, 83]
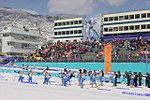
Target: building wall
[19, 41]
[9, 48]
[126, 22]
[5, 47]
[68, 29]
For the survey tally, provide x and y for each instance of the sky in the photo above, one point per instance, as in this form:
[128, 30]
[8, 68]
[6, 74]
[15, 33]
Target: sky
[76, 7]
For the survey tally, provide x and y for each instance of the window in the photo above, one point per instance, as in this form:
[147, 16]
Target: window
[126, 17]
[26, 37]
[143, 15]
[59, 24]
[137, 16]
[121, 28]
[59, 33]
[67, 32]
[75, 32]
[148, 14]
[137, 27]
[9, 43]
[71, 32]
[25, 45]
[110, 29]
[126, 28]
[80, 31]
[32, 37]
[71, 22]
[55, 24]
[5, 28]
[105, 29]
[143, 26]
[5, 35]
[116, 18]
[120, 17]
[75, 22]
[63, 33]
[148, 26]
[115, 28]
[55, 33]
[105, 19]
[110, 18]
[64, 23]
[131, 27]
[80, 21]
[67, 23]
[131, 16]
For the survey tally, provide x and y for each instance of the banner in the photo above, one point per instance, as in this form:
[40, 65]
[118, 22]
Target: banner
[107, 58]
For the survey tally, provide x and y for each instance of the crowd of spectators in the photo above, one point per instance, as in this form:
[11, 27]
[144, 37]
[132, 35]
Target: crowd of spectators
[136, 48]
[122, 49]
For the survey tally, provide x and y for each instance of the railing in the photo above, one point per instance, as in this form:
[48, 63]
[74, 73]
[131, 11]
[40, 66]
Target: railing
[86, 59]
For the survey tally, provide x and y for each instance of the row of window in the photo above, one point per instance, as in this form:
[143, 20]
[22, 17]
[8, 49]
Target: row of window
[126, 28]
[14, 53]
[68, 32]
[127, 17]
[68, 23]
[21, 37]
[20, 45]
[18, 35]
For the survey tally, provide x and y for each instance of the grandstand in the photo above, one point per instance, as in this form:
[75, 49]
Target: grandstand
[123, 50]
[128, 33]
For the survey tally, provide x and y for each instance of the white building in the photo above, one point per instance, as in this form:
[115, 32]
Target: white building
[134, 22]
[68, 30]
[18, 41]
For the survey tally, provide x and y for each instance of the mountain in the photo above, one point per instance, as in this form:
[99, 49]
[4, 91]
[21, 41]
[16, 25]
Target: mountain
[31, 20]
[23, 18]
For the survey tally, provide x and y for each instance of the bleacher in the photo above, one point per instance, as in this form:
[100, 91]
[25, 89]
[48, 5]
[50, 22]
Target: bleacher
[123, 50]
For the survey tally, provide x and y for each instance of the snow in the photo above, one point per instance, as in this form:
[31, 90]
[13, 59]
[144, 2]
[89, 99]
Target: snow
[22, 18]
[11, 89]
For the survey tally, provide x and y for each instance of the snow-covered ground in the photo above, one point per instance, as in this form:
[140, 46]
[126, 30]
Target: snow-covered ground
[10, 89]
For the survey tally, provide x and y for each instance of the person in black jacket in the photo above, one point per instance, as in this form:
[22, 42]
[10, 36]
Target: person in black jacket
[140, 78]
[128, 76]
[102, 73]
[146, 80]
[119, 74]
[115, 77]
[135, 79]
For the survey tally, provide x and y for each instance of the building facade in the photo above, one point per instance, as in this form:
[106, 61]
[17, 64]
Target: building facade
[134, 22]
[19, 41]
[68, 30]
